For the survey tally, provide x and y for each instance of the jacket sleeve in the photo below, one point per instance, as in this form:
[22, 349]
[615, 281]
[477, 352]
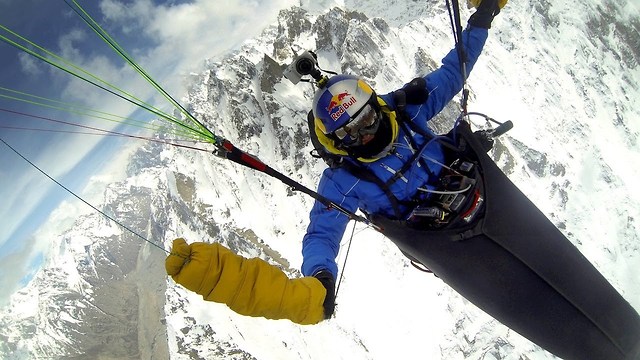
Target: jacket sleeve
[445, 82]
[249, 287]
[322, 241]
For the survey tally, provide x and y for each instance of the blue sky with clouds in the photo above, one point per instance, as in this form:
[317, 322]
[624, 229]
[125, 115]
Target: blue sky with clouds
[168, 39]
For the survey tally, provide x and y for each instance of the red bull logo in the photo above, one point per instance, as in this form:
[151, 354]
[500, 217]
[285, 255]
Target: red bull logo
[342, 102]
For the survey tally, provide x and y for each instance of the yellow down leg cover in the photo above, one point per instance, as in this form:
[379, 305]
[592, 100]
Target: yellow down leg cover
[250, 287]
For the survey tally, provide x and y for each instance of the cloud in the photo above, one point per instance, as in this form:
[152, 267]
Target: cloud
[67, 42]
[29, 65]
[14, 268]
[180, 37]
[128, 16]
[22, 262]
[189, 33]
[26, 192]
[21, 196]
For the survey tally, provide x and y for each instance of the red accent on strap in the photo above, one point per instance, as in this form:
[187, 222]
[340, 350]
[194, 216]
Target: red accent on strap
[243, 158]
[473, 205]
[253, 162]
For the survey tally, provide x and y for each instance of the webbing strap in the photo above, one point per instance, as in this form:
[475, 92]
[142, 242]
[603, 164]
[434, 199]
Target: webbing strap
[366, 174]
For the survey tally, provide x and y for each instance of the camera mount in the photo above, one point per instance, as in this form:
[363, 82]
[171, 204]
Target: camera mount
[303, 65]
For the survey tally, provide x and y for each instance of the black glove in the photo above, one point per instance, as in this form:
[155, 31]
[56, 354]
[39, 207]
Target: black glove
[485, 140]
[485, 13]
[329, 283]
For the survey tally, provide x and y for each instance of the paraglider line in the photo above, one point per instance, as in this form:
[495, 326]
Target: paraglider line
[84, 201]
[346, 256]
[102, 131]
[203, 130]
[74, 70]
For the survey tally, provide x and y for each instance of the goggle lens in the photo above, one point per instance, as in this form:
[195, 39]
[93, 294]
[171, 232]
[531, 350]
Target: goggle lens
[365, 122]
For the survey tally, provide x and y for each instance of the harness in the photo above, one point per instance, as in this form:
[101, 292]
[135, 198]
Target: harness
[435, 210]
[340, 161]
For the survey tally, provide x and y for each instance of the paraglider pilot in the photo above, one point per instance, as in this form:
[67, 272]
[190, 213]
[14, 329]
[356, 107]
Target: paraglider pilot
[353, 122]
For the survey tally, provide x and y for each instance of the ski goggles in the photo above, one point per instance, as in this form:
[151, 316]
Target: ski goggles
[365, 122]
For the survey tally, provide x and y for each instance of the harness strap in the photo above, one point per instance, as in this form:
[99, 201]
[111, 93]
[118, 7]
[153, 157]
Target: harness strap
[468, 234]
[416, 156]
[366, 174]
[400, 97]
[361, 172]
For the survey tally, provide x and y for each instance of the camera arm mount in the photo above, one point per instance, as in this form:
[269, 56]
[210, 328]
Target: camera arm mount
[307, 64]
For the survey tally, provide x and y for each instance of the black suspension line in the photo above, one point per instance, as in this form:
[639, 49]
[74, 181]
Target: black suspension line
[83, 200]
[456, 26]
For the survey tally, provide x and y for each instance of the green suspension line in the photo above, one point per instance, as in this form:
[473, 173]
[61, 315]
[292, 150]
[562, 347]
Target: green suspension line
[51, 58]
[224, 148]
[84, 111]
[114, 45]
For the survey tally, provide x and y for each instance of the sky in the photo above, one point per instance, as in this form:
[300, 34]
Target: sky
[169, 39]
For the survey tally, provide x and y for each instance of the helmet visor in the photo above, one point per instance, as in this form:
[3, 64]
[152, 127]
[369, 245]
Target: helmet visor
[365, 122]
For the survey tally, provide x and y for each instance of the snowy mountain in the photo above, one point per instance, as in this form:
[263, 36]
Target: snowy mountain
[567, 77]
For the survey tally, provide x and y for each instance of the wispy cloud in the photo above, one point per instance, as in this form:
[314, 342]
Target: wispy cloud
[24, 259]
[29, 65]
[178, 38]
[186, 34]
[14, 268]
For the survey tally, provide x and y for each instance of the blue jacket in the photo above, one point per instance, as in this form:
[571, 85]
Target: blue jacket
[321, 243]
